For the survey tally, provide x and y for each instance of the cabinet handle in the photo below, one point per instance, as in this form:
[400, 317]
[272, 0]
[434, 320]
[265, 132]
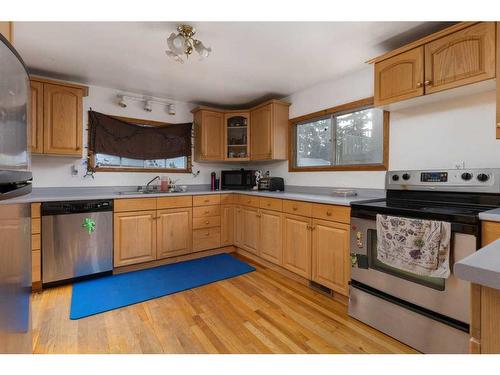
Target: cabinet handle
[419, 84]
[207, 211]
[295, 208]
[428, 83]
[207, 222]
[206, 200]
[207, 234]
[258, 215]
[328, 213]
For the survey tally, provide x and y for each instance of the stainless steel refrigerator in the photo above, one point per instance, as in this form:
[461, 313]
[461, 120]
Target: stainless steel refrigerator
[15, 218]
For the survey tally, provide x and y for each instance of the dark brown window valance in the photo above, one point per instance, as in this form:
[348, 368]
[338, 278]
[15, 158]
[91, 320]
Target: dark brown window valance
[109, 135]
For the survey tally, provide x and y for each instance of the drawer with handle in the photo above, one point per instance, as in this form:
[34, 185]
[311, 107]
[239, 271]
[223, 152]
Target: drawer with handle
[206, 222]
[297, 207]
[204, 239]
[341, 214]
[206, 200]
[205, 211]
[271, 204]
[248, 200]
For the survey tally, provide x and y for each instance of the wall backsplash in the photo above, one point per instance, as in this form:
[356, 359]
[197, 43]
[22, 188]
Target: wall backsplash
[435, 135]
[51, 171]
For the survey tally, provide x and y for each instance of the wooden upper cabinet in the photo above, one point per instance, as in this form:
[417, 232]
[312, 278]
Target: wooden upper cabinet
[6, 30]
[209, 132]
[330, 255]
[62, 120]
[269, 131]
[260, 133]
[36, 117]
[459, 55]
[134, 237]
[174, 232]
[461, 58]
[498, 80]
[400, 77]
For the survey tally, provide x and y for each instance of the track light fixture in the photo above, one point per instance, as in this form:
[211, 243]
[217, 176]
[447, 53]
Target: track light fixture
[123, 101]
[148, 105]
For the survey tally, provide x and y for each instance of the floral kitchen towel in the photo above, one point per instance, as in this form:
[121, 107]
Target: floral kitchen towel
[414, 245]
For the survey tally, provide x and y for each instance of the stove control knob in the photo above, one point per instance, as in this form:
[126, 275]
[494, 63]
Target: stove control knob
[406, 176]
[483, 177]
[395, 177]
[466, 176]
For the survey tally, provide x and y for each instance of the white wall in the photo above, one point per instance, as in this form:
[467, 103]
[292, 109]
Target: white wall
[435, 135]
[56, 171]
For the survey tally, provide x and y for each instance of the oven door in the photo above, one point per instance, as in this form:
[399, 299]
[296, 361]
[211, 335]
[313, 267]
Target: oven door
[448, 297]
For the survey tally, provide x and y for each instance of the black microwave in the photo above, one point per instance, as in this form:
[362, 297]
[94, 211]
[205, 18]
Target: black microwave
[242, 179]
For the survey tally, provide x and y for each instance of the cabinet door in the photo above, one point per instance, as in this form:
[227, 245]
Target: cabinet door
[6, 30]
[250, 229]
[330, 255]
[211, 127]
[490, 231]
[461, 58]
[62, 120]
[227, 225]
[261, 135]
[238, 226]
[36, 117]
[174, 232]
[271, 236]
[297, 244]
[134, 237]
[400, 77]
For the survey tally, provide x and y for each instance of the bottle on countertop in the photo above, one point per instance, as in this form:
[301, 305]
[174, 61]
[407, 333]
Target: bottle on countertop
[212, 181]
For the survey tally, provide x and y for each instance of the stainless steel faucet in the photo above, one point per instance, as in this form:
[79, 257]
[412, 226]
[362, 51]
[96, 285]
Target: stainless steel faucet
[150, 182]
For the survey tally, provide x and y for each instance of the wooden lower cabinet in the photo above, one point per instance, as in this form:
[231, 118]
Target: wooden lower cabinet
[297, 244]
[250, 229]
[174, 232]
[134, 237]
[227, 219]
[238, 226]
[330, 255]
[271, 236]
[490, 231]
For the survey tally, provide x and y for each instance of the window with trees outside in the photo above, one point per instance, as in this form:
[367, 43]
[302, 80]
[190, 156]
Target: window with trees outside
[352, 136]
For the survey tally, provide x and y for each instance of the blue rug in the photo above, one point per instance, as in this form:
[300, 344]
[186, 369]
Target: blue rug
[95, 296]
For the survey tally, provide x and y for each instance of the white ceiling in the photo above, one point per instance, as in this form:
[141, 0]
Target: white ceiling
[250, 60]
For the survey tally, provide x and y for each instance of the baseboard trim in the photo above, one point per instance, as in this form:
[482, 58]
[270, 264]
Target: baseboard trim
[36, 286]
[180, 258]
[283, 271]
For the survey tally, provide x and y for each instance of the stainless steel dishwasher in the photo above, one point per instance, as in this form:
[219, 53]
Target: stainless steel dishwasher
[77, 239]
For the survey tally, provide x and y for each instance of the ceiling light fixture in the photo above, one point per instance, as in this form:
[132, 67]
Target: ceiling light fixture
[183, 43]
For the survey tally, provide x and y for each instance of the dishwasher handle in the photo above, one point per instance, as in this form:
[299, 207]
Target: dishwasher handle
[76, 207]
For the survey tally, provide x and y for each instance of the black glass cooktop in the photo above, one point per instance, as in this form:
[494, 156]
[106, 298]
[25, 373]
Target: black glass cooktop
[460, 208]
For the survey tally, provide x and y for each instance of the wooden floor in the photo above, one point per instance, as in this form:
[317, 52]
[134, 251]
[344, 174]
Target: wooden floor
[260, 312]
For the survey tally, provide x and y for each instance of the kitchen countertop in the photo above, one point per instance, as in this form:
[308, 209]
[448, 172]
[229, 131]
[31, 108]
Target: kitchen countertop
[482, 267]
[90, 193]
[491, 215]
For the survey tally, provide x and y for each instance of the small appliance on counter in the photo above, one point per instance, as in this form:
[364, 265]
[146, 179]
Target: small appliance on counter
[239, 179]
[272, 184]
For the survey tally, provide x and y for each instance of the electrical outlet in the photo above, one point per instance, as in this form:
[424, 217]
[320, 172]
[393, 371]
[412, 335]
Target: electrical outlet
[459, 164]
[74, 171]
